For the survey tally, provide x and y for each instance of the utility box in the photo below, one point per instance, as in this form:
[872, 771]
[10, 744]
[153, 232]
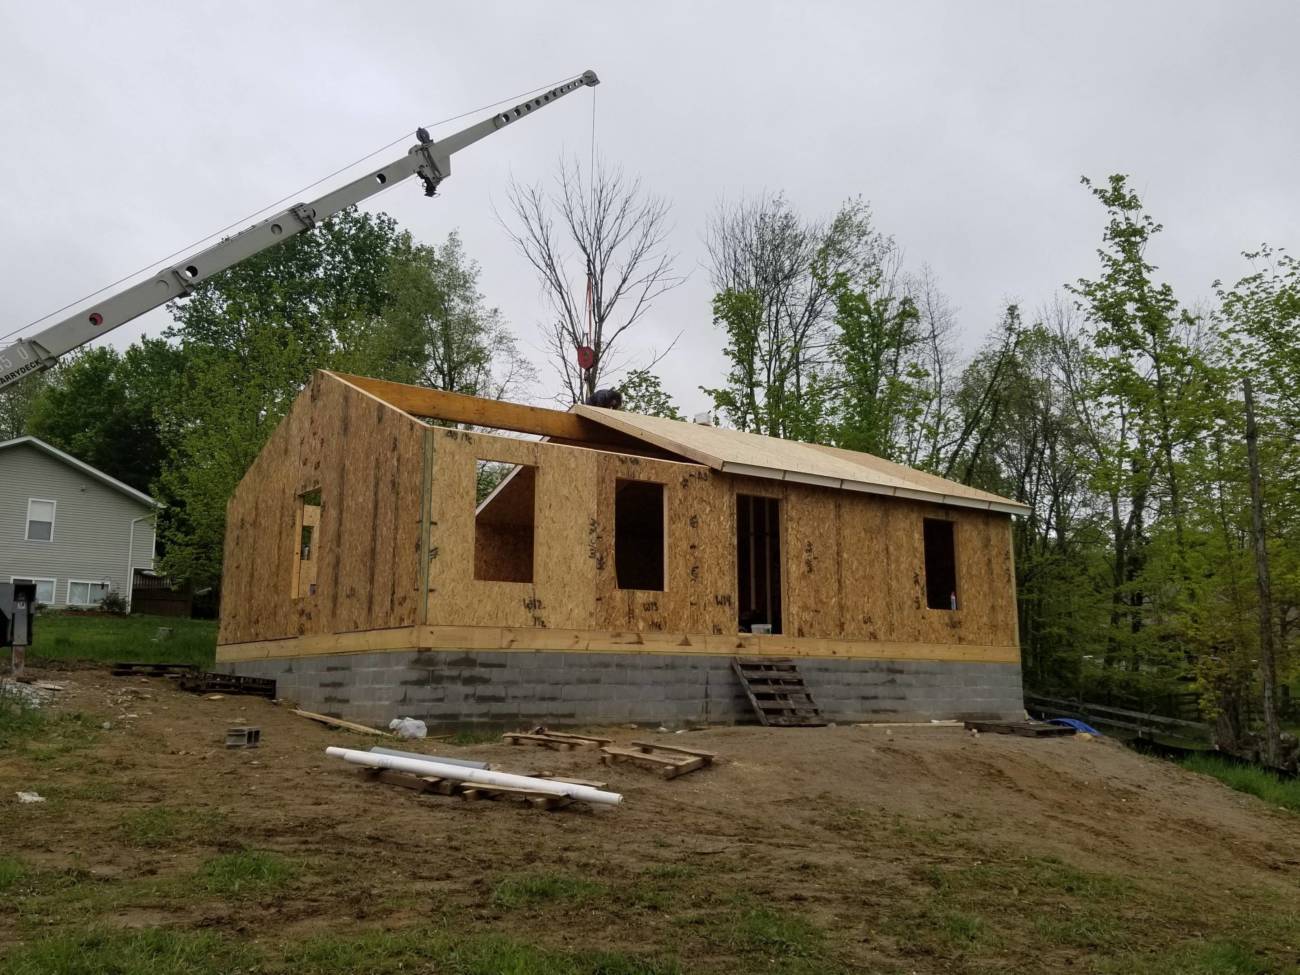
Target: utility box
[17, 611]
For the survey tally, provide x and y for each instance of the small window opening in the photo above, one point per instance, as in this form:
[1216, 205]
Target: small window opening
[505, 521]
[639, 535]
[758, 564]
[940, 565]
[308, 524]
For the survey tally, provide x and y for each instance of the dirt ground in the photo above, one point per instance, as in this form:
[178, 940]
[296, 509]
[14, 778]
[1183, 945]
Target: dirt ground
[825, 849]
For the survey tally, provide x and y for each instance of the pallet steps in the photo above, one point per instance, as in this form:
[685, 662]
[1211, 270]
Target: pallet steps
[776, 691]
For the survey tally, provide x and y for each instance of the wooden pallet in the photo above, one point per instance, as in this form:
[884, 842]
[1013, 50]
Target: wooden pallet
[471, 791]
[668, 760]
[554, 739]
[776, 690]
[201, 682]
[123, 669]
[1025, 729]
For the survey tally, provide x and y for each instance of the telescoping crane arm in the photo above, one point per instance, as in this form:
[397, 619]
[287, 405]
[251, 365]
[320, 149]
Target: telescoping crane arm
[429, 160]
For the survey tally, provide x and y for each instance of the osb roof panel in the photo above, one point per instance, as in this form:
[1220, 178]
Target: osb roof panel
[737, 452]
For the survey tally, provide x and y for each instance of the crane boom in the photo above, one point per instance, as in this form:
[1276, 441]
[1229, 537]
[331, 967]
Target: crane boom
[429, 160]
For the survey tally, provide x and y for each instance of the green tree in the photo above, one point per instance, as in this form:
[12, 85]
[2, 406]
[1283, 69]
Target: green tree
[643, 392]
[437, 329]
[251, 338]
[16, 403]
[108, 409]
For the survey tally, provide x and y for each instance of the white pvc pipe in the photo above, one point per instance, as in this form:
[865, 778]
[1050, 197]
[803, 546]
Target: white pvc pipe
[458, 773]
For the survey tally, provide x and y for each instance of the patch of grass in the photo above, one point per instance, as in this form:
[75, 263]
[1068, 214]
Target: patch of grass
[529, 889]
[162, 826]
[246, 872]
[776, 934]
[155, 951]
[467, 736]
[80, 636]
[12, 871]
[423, 949]
[1258, 782]
[961, 928]
[1201, 958]
[41, 733]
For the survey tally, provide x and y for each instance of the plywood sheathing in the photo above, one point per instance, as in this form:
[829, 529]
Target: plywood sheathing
[853, 572]
[531, 640]
[366, 458]
[854, 563]
[740, 452]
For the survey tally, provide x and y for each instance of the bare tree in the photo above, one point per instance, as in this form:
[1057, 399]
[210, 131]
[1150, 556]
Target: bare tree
[785, 267]
[597, 241]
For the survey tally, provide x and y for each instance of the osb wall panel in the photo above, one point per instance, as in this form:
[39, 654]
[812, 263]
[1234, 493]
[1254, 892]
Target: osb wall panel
[574, 584]
[853, 563]
[366, 458]
[855, 569]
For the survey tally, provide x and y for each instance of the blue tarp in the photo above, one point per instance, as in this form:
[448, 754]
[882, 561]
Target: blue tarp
[1077, 725]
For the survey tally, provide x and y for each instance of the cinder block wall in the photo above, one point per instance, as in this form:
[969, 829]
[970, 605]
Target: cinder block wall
[515, 688]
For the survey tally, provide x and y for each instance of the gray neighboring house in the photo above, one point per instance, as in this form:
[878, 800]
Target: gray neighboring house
[70, 528]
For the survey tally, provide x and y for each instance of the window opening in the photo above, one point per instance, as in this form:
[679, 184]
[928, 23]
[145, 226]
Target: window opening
[308, 530]
[639, 535]
[505, 521]
[758, 564]
[40, 520]
[940, 565]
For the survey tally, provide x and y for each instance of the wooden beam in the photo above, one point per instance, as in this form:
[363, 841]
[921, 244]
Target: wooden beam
[438, 404]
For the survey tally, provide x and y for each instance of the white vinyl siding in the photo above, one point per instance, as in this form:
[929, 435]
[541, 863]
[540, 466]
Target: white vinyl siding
[45, 588]
[96, 534]
[40, 519]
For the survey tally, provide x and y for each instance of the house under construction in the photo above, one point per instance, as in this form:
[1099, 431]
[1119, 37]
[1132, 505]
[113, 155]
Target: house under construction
[612, 574]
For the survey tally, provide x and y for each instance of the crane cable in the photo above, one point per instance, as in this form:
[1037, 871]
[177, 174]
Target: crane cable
[591, 270]
[284, 199]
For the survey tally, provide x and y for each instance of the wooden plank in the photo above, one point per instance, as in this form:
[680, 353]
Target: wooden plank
[1024, 729]
[340, 723]
[519, 738]
[438, 404]
[581, 739]
[666, 766]
[692, 752]
[454, 637]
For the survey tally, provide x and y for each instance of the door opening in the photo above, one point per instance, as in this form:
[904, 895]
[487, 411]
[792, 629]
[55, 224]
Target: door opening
[758, 564]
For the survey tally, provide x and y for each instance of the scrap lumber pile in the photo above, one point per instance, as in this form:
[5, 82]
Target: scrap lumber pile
[189, 678]
[559, 741]
[471, 791]
[668, 760]
[1024, 729]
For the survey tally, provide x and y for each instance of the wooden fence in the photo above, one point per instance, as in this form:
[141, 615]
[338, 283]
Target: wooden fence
[1103, 716]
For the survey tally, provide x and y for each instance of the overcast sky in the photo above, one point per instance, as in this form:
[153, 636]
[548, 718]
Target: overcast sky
[132, 129]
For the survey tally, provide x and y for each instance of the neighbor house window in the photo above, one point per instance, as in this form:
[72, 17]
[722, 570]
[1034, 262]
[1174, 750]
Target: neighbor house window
[85, 593]
[40, 520]
[44, 588]
[940, 565]
[639, 535]
[505, 521]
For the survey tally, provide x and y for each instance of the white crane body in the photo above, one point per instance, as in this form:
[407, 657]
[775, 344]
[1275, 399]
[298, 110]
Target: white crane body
[429, 159]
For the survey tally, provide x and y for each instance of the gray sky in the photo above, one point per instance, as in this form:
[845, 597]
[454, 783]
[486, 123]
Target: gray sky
[132, 129]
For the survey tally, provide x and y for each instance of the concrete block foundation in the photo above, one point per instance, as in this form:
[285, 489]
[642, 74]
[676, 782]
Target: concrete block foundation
[512, 688]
